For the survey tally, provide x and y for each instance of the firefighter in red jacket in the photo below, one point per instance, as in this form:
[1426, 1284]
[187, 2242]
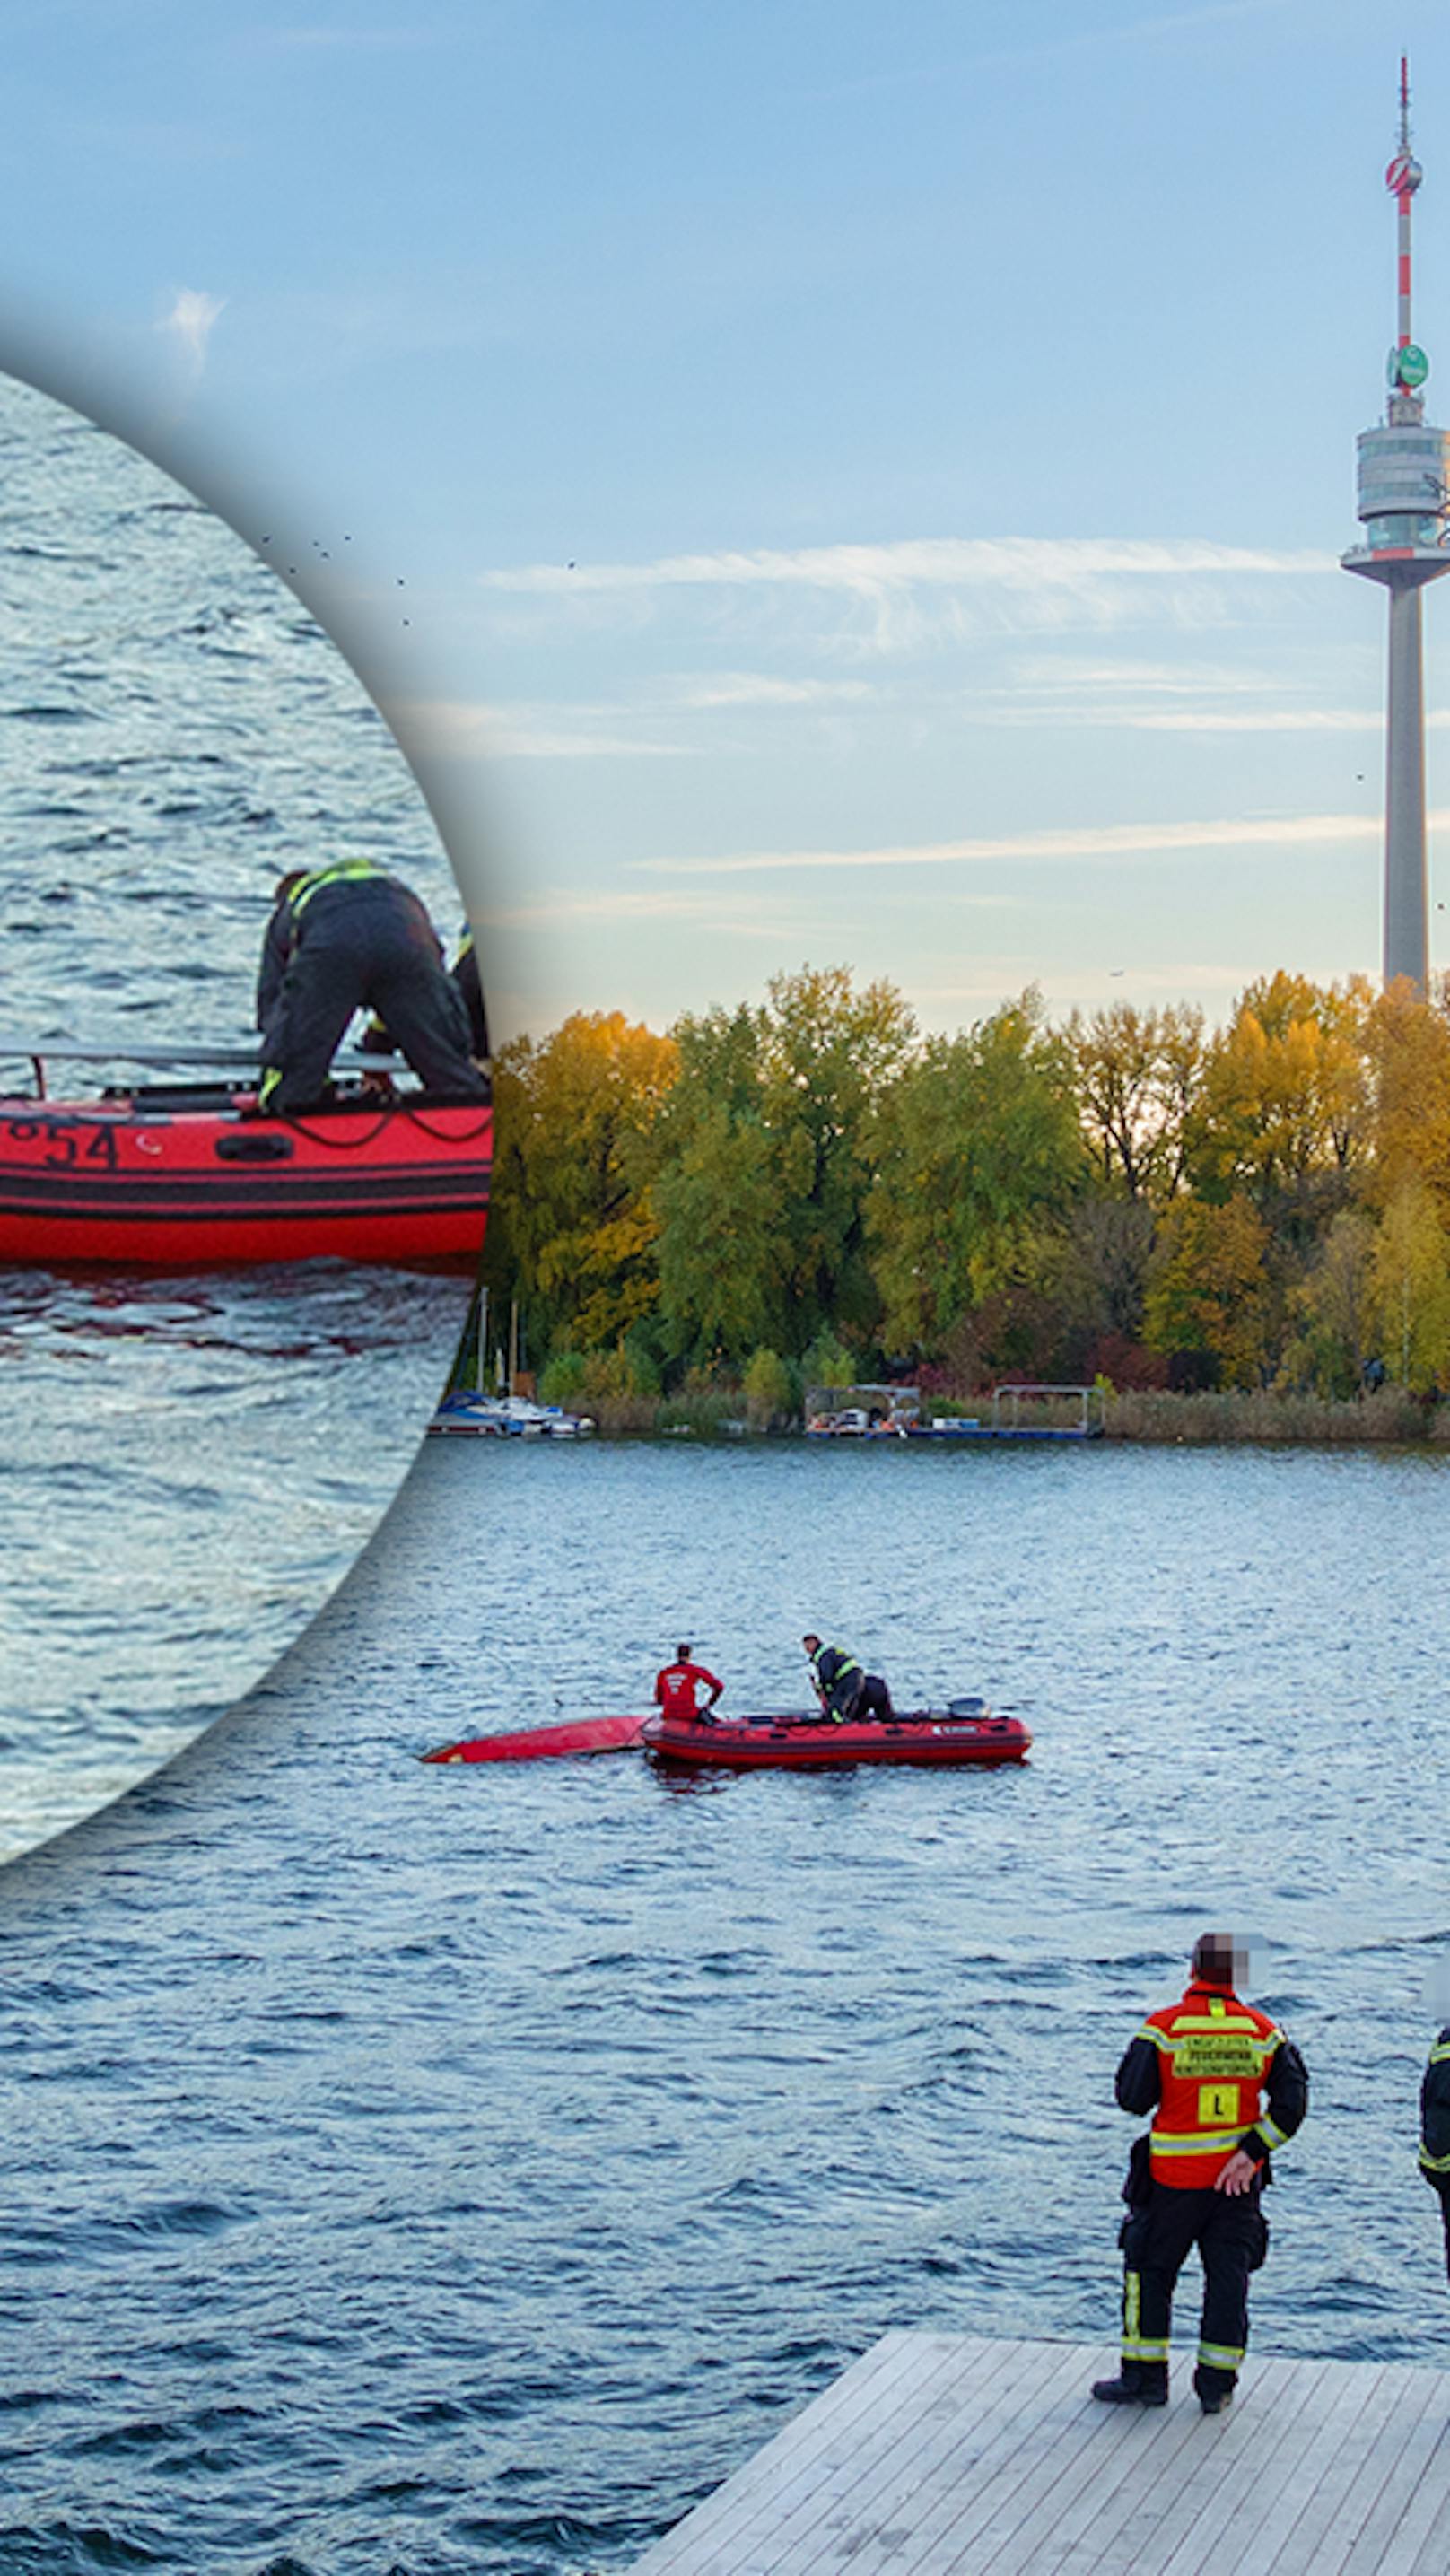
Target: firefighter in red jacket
[676, 1687]
[1225, 2087]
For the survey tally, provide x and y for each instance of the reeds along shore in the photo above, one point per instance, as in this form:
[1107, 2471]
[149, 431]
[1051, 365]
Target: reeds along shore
[1244, 1231]
[1227, 1417]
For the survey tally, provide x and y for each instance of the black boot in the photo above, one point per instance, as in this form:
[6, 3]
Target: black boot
[1214, 2389]
[1139, 2383]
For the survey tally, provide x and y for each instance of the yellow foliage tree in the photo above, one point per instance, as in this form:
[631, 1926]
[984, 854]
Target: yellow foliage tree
[1209, 1291]
[1410, 1289]
[1408, 1046]
[1284, 1095]
[572, 1231]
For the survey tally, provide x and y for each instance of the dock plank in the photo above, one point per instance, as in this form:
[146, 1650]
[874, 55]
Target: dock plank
[974, 2455]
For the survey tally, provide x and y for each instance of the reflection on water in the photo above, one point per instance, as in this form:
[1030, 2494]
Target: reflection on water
[187, 1466]
[459, 2170]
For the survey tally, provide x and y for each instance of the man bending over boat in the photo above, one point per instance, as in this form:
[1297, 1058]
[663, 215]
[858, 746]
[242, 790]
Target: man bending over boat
[350, 938]
[846, 1693]
[677, 1685]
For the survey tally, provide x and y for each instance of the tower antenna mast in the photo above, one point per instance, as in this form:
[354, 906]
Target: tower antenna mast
[1404, 504]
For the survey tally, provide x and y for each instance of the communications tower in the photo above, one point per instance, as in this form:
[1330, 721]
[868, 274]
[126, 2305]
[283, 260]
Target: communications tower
[1404, 502]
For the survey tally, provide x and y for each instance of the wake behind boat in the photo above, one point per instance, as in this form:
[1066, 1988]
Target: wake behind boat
[185, 1174]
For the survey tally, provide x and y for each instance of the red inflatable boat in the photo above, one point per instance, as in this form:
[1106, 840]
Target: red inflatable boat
[933, 1737]
[186, 1175]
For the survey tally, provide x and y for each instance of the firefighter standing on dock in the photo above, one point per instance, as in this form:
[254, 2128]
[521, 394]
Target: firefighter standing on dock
[1201, 2067]
[1435, 2128]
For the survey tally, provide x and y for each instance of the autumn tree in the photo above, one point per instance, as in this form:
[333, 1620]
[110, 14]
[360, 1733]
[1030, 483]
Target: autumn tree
[1283, 1103]
[1411, 1289]
[1408, 1050]
[1336, 1309]
[1137, 1075]
[1209, 1290]
[572, 1229]
[980, 1157]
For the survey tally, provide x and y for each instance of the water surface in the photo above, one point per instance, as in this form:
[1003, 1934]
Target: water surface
[457, 2171]
[188, 1465]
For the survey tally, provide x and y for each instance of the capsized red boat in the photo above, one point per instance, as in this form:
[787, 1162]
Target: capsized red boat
[535, 1743]
[933, 1738]
[186, 1175]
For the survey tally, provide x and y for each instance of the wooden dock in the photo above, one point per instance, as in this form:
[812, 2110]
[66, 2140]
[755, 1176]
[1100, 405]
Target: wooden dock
[952, 2455]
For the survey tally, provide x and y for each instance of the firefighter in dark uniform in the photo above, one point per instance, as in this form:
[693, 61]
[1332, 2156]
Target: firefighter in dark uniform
[1205, 2068]
[464, 971]
[1435, 2128]
[843, 1689]
[342, 939]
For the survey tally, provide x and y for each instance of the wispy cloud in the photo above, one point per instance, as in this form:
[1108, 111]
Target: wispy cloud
[909, 592]
[190, 323]
[568, 908]
[757, 689]
[1084, 842]
[1155, 697]
[473, 730]
[914, 563]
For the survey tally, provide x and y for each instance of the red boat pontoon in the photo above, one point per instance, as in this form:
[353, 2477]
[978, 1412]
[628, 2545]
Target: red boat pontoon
[185, 1176]
[930, 1736]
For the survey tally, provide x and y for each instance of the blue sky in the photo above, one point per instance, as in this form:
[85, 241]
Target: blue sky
[861, 485]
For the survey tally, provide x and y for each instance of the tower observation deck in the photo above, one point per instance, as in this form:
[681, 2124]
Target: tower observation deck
[1404, 505]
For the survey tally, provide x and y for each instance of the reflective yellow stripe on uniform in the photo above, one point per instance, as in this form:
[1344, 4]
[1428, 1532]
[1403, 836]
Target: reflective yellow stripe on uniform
[1434, 2164]
[1198, 2142]
[1220, 2356]
[345, 870]
[1226, 2021]
[1135, 2346]
[1440, 2052]
[1270, 2132]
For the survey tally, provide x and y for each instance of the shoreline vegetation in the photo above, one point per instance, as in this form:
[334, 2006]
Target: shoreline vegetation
[1236, 1233]
[1223, 1417]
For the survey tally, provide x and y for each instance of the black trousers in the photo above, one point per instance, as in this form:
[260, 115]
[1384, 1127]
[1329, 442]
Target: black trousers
[367, 947]
[860, 1695]
[1232, 2237]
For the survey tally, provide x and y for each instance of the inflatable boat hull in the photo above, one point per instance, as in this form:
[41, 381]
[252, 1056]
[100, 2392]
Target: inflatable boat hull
[931, 1738]
[537, 1743]
[204, 1183]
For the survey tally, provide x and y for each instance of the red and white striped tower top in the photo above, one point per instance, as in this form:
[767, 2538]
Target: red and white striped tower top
[1402, 178]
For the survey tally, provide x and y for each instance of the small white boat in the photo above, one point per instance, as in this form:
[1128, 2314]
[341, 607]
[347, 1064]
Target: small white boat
[506, 1417]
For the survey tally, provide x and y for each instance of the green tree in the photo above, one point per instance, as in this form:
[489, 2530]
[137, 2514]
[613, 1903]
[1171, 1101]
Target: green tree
[772, 1393]
[980, 1157]
[764, 1161]
[1411, 1289]
[1336, 1307]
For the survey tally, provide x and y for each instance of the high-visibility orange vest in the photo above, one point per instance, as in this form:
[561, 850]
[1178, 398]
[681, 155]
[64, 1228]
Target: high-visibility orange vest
[1214, 2055]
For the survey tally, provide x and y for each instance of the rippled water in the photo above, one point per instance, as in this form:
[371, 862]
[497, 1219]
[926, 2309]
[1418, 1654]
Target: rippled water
[188, 1466]
[444, 2170]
